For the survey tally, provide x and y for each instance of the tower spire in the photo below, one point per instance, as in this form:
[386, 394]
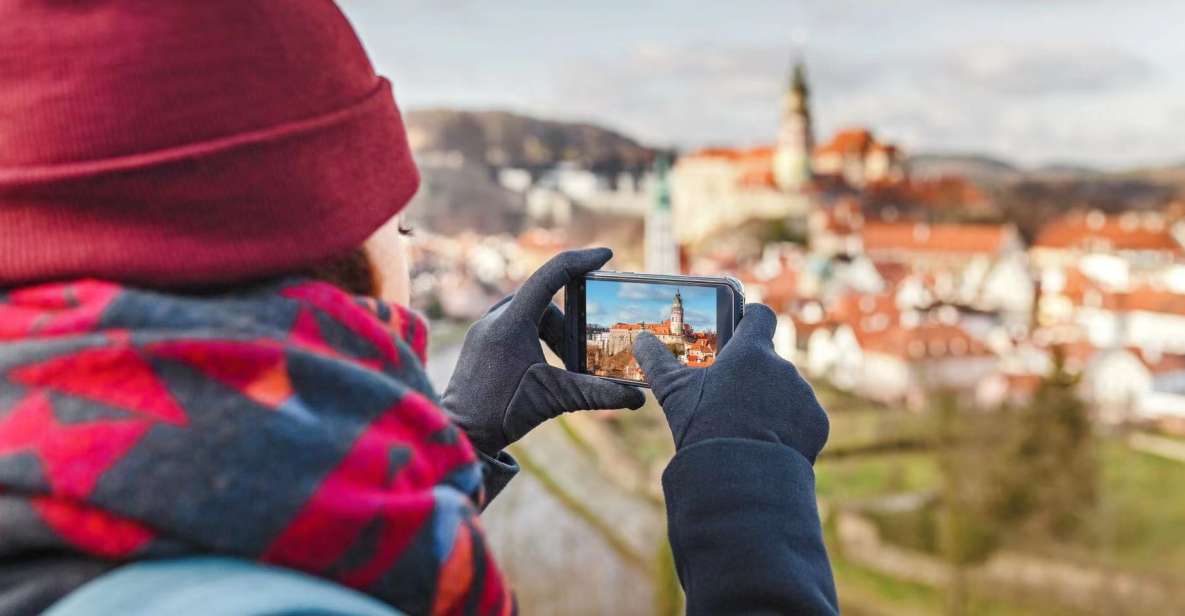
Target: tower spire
[798, 83]
[677, 328]
[796, 142]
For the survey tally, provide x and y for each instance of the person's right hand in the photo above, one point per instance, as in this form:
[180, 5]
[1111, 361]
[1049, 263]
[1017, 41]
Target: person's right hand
[750, 392]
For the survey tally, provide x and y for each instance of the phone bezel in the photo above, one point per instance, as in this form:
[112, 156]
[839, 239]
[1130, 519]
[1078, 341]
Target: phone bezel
[730, 305]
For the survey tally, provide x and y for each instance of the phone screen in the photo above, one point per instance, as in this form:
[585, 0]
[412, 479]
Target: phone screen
[684, 317]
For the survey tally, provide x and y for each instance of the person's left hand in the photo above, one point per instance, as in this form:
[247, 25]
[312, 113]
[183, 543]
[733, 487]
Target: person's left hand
[503, 387]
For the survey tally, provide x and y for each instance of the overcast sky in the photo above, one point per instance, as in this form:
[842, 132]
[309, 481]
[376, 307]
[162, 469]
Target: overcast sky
[1090, 81]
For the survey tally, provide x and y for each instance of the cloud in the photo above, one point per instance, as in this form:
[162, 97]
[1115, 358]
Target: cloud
[651, 303]
[675, 93]
[645, 292]
[700, 320]
[1046, 68]
[1033, 102]
[637, 313]
[1058, 80]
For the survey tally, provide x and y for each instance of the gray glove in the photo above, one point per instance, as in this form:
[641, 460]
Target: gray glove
[503, 387]
[750, 392]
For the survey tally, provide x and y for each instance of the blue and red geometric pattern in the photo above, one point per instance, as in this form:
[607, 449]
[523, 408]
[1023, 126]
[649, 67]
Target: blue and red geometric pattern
[289, 423]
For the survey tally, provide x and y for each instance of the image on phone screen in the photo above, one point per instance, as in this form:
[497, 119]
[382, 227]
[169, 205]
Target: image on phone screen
[682, 316]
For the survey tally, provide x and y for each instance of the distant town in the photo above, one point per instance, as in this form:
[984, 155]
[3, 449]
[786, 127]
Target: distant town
[888, 285]
[998, 346]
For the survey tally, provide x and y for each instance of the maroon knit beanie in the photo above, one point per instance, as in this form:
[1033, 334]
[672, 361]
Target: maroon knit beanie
[181, 142]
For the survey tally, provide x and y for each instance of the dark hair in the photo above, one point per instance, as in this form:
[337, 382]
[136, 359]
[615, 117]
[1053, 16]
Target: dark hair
[354, 272]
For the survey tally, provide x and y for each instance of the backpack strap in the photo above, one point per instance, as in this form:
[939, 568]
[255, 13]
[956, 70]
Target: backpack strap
[199, 586]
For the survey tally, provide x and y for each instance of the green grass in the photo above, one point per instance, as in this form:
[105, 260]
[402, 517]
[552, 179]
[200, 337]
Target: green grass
[865, 477]
[862, 590]
[668, 596]
[1139, 526]
[839, 401]
[858, 586]
[1142, 518]
[1140, 523]
[857, 423]
[576, 438]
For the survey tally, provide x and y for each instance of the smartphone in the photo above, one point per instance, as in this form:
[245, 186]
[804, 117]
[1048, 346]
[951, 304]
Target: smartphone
[606, 311]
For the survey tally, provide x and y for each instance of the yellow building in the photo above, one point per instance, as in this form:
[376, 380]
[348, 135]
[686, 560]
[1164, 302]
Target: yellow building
[718, 188]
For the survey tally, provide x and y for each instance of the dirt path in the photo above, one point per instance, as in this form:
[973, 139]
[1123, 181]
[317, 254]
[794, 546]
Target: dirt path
[1164, 447]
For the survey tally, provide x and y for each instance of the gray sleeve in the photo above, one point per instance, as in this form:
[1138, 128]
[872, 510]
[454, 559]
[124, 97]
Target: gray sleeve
[496, 472]
[745, 530]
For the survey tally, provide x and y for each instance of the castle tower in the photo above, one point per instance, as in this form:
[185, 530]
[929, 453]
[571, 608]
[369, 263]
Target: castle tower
[796, 141]
[677, 315]
[662, 254]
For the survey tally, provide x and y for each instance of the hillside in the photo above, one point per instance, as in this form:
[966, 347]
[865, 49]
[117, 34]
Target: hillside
[455, 200]
[1172, 175]
[975, 167]
[462, 194]
[504, 139]
[1031, 196]
[989, 171]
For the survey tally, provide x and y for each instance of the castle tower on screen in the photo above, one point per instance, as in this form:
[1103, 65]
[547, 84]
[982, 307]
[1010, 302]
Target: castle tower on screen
[677, 314]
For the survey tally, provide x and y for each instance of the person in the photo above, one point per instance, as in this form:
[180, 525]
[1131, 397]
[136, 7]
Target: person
[212, 396]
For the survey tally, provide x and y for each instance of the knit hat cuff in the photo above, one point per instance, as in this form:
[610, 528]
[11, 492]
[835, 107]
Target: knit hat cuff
[233, 208]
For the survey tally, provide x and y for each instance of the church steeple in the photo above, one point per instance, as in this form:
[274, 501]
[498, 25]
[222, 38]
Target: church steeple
[796, 141]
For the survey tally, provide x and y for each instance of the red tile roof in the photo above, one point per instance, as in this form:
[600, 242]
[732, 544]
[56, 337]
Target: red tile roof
[765, 152]
[844, 217]
[778, 292]
[922, 237]
[663, 328]
[1025, 384]
[853, 307]
[848, 141]
[892, 273]
[1130, 231]
[941, 193]
[926, 341]
[1146, 300]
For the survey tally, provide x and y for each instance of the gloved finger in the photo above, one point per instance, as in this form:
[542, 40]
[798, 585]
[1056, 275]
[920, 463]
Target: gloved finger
[584, 392]
[499, 306]
[654, 357]
[532, 299]
[546, 391]
[551, 330]
[756, 327]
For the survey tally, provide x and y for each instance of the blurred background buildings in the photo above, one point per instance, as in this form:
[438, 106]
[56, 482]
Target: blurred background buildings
[999, 338]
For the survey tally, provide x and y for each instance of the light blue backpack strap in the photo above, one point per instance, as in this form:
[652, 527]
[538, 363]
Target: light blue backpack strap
[203, 586]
